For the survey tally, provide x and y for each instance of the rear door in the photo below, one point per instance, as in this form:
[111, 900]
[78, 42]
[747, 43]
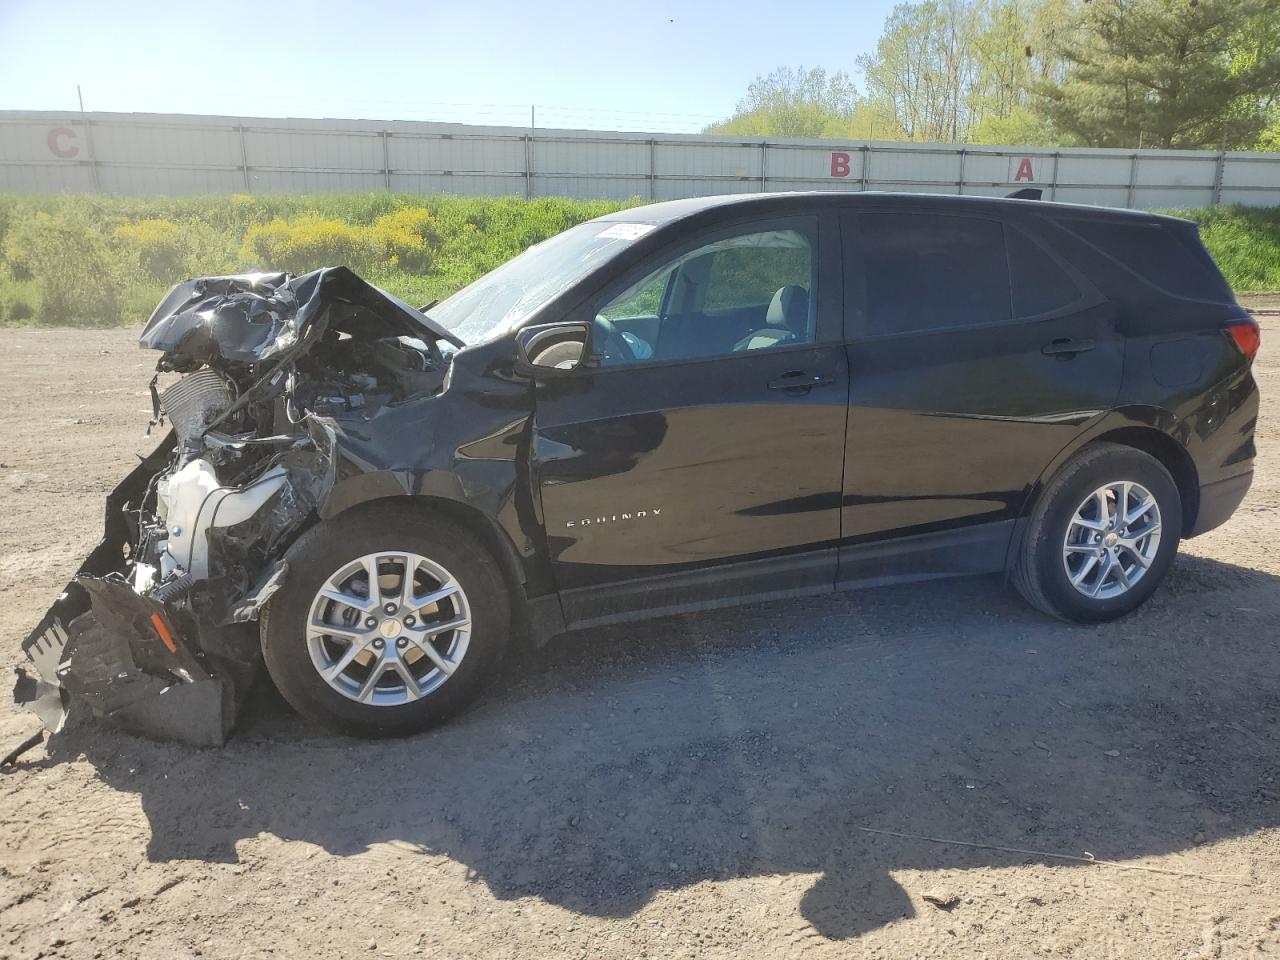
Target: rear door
[702, 459]
[975, 356]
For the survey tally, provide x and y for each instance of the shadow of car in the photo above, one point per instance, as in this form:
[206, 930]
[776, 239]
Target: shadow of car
[767, 739]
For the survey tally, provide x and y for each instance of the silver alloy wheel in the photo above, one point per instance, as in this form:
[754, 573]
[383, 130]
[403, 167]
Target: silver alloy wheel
[1112, 540]
[388, 628]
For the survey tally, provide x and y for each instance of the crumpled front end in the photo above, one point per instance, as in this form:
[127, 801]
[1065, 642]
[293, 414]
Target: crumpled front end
[156, 630]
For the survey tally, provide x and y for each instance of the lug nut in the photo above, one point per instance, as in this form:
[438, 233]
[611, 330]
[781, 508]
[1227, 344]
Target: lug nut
[377, 644]
[371, 621]
[402, 643]
[409, 621]
[390, 608]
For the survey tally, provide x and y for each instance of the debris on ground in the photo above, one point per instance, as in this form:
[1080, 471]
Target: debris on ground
[941, 897]
[12, 756]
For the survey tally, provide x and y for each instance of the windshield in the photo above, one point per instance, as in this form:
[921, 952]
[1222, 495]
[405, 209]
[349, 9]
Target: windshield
[501, 299]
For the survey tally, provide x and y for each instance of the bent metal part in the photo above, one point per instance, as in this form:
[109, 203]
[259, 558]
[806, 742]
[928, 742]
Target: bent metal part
[155, 630]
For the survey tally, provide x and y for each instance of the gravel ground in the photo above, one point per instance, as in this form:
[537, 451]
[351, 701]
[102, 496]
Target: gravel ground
[763, 782]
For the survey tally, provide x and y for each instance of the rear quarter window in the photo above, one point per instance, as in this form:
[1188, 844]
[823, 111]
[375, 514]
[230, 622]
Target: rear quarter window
[1168, 257]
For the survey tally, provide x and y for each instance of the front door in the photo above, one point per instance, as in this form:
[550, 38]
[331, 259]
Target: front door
[701, 459]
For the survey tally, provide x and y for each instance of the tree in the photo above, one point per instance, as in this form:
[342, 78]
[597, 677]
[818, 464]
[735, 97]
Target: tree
[1253, 122]
[1269, 138]
[1013, 45]
[922, 66]
[959, 69]
[872, 120]
[1167, 73]
[1114, 73]
[1021, 127]
[793, 103]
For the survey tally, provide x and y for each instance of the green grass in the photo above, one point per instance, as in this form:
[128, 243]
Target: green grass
[85, 260]
[1245, 241]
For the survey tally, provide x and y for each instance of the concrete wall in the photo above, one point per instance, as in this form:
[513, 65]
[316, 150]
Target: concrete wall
[146, 154]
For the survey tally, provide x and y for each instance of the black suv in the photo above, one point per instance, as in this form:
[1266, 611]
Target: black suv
[672, 408]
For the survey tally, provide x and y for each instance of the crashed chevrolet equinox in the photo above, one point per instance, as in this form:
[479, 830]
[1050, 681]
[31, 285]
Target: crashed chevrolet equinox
[668, 409]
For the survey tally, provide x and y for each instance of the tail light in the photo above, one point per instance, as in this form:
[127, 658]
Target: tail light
[1247, 337]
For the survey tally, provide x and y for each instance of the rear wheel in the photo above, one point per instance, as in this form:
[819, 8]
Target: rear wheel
[391, 620]
[1102, 536]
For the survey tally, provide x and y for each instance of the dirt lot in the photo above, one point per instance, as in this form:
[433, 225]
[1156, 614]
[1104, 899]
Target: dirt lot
[711, 785]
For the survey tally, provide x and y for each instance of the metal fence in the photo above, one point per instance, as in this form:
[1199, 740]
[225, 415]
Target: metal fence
[145, 154]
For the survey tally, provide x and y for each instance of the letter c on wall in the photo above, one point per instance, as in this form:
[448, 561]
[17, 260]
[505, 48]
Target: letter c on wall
[56, 146]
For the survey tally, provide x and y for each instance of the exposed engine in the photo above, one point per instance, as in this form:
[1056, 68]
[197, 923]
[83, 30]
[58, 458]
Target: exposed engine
[268, 367]
[228, 463]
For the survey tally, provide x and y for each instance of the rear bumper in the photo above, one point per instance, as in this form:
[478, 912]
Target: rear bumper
[1218, 501]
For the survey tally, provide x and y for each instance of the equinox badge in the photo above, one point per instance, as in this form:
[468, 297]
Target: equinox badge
[614, 518]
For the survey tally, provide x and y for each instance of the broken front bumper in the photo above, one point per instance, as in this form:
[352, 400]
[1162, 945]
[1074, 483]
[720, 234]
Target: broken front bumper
[151, 666]
[132, 660]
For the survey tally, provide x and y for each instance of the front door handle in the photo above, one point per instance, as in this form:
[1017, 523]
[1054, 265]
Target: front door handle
[1066, 348]
[798, 382]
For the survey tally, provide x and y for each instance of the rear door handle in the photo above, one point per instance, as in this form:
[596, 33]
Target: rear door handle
[1066, 347]
[798, 382]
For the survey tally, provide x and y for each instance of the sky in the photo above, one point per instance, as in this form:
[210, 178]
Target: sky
[664, 66]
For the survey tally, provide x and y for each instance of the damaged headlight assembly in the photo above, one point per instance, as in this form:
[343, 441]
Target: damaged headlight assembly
[155, 630]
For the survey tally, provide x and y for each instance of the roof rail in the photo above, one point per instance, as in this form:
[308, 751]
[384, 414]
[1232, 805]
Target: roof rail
[1026, 193]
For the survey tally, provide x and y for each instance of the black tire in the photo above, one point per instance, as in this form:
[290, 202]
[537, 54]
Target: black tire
[1039, 573]
[320, 552]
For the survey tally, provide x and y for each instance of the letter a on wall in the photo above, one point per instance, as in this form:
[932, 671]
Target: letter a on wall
[1022, 170]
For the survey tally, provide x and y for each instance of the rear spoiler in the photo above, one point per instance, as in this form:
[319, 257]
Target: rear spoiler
[1026, 193]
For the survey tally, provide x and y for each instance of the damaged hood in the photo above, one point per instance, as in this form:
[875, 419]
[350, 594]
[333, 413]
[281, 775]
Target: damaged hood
[254, 317]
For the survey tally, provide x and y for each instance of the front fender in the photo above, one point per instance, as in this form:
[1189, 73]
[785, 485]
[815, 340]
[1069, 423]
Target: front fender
[453, 453]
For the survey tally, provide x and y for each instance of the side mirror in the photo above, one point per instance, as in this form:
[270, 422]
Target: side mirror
[553, 349]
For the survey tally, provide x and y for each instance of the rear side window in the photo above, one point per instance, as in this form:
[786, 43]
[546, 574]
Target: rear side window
[1155, 252]
[1039, 285]
[928, 271]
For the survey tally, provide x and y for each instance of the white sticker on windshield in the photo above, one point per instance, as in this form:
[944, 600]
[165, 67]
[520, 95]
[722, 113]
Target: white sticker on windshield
[625, 231]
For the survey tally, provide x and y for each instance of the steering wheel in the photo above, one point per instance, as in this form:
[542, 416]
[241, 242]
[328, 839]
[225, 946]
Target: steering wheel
[610, 342]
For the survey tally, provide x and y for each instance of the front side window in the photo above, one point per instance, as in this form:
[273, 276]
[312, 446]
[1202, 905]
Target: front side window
[749, 291]
[929, 271]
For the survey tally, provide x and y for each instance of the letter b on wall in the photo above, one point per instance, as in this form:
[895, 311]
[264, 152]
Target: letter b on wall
[839, 164]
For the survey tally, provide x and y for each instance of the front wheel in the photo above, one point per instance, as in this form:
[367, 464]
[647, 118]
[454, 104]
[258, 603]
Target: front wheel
[1102, 536]
[391, 620]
